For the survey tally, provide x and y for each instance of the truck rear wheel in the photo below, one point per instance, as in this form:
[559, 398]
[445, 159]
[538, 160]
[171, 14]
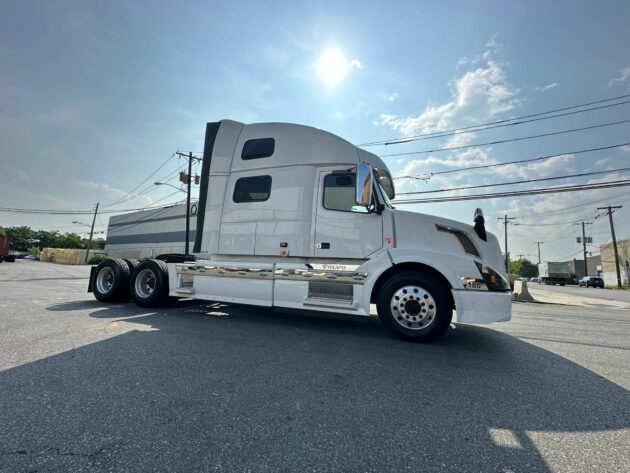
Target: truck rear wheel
[110, 281]
[415, 306]
[149, 284]
[132, 263]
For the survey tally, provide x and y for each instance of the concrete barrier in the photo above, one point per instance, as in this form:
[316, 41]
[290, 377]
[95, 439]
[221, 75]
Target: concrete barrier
[521, 293]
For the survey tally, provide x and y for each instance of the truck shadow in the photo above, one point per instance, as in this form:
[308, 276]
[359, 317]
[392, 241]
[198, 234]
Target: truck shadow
[202, 386]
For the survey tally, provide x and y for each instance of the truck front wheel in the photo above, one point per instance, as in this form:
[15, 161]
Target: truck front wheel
[415, 306]
[149, 284]
[110, 281]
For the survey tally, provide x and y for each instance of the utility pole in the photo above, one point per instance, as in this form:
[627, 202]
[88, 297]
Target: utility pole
[584, 246]
[538, 243]
[190, 158]
[507, 257]
[610, 210]
[89, 245]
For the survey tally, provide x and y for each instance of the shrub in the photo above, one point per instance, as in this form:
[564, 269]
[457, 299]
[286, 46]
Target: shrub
[96, 259]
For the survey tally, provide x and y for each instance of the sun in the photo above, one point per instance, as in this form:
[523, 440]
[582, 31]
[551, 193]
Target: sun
[332, 66]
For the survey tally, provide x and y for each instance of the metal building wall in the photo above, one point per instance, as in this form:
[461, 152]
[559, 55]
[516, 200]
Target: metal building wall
[608, 262]
[150, 232]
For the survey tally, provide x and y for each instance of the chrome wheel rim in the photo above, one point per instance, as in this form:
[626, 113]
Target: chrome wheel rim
[145, 283]
[413, 307]
[105, 280]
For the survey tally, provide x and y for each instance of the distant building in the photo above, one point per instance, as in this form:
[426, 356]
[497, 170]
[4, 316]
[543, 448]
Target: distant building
[593, 265]
[609, 273]
[150, 232]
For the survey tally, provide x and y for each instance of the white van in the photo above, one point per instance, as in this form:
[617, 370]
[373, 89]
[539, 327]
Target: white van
[298, 219]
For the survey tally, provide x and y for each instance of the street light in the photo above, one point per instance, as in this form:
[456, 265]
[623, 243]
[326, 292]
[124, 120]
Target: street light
[167, 184]
[80, 223]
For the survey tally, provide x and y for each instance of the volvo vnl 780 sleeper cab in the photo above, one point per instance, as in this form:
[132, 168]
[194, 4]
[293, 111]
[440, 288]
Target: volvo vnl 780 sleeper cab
[298, 219]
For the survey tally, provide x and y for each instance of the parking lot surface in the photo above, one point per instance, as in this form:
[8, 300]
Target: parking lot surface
[199, 386]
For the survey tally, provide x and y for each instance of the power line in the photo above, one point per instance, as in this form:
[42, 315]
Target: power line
[148, 189]
[547, 190]
[564, 209]
[489, 143]
[80, 212]
[567, 176]
[546, 224]
[145, 180]
[500, 123]
[486, 166]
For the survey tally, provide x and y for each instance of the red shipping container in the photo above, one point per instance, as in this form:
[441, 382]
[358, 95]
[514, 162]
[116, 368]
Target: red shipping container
[4, 245]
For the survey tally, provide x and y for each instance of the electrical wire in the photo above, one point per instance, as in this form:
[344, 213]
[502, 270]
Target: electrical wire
[79, 212]
[490, 143]
[548, 190]
[500, 123]
[145, 180]
[567, 176]
[520, 161]
[564, 209]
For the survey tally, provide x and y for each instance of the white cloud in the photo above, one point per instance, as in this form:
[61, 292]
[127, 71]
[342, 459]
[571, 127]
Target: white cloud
[603, 162]
[112, 192]
[492, 47]
[356, 63]
[392, 97]
[478, 95]
[469, 157]
[624, 74]
[544, 88]
[626, 148]
[558, 165]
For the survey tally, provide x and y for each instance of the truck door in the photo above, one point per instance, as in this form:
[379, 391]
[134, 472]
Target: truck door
[342, 229]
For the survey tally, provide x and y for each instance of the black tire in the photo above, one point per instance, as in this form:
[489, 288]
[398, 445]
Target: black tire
[151, 290]
[436, 317]
[132, 263]
[110, 281]
[9, 259]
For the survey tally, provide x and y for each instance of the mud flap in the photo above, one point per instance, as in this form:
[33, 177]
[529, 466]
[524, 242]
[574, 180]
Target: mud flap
[92, 269]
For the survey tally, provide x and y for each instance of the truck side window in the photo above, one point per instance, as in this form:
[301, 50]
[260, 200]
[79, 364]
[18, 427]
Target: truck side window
[252, 189]
[339, 193]
[258, 148]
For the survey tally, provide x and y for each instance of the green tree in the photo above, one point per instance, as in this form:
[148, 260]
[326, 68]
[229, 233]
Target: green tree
[71, 240]
[21, 237]
[3, 232]
[98, 244]
[524, 267]
[46, 239]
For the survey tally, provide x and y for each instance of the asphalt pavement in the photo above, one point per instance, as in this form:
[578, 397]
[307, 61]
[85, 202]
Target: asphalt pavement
[202, 386]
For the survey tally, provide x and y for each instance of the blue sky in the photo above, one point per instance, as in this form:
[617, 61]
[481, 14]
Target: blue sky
[95, 95]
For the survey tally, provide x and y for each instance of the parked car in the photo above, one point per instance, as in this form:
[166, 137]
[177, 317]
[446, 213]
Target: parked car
[590, 281]
[534, 279]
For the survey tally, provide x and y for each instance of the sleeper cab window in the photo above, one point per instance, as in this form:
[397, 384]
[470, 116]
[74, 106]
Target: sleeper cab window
[258, 148]
[252, 189]
[339, 193]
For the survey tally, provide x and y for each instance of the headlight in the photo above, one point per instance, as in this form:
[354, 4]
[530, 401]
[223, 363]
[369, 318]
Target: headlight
[493, 280]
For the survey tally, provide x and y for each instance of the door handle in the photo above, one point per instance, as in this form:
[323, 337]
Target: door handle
[322, 246]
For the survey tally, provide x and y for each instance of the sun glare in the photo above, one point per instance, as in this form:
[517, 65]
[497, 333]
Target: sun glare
[332, 67]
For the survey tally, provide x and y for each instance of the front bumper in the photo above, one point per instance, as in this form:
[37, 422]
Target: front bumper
[482, 307]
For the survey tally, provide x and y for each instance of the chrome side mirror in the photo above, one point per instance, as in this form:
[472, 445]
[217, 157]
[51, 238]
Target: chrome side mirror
[363, 185]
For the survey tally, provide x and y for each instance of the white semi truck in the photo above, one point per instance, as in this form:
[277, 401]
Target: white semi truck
[298, 219]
